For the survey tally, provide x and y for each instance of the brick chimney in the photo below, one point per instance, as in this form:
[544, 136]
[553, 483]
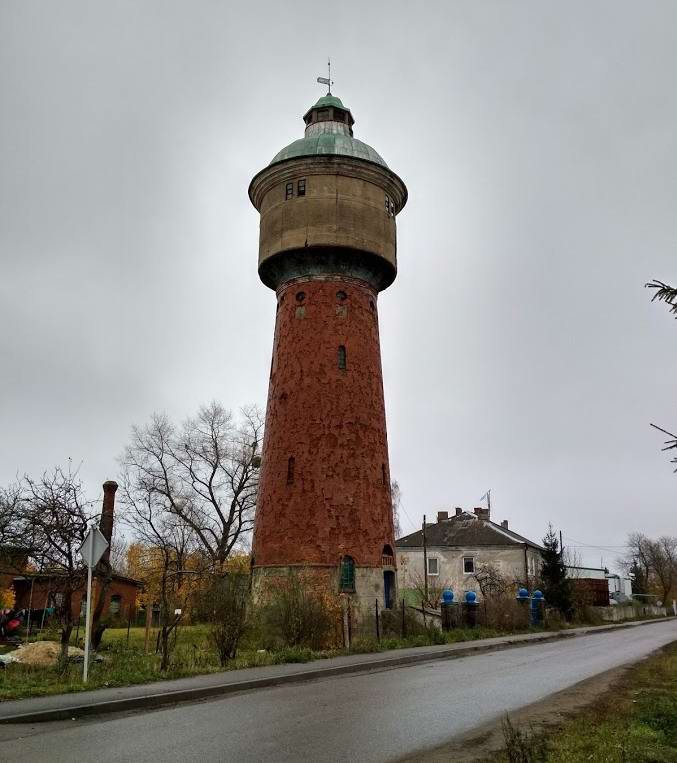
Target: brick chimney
[107, 512]
[459, 511]
[481, 513]
[442, 515]
[504, 523]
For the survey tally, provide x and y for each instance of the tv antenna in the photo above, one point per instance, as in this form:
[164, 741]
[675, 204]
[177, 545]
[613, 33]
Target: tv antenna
[327, 80]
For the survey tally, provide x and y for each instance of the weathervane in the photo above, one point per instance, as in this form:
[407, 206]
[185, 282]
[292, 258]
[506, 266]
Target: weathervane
[327, 80]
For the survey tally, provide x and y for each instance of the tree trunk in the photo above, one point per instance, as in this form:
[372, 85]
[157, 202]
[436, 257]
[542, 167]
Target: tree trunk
[104, 578]
[66, 627]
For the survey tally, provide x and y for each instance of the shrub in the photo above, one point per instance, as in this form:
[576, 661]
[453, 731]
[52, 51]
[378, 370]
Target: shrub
[297, 613]
[503, 612]
[225, 605]
[523, 746]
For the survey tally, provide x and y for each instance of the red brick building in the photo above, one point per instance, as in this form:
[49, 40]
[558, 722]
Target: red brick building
[120, 600]
[327, 247]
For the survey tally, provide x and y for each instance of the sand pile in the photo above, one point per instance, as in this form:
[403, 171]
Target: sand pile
[43, 653]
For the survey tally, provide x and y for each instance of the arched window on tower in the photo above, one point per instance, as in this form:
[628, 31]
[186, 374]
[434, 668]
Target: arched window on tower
[347, 581]
[387, 556]
[342, 357]
[290, 470]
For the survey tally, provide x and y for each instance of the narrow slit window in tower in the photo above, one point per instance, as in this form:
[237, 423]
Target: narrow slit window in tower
[383, 474]
[301, 188]
[342, 357]
[289, 193]
[290, 470]
[387, 204]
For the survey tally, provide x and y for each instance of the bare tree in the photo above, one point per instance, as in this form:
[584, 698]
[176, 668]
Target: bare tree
[656, 562]
[396, 498]
[118, 554]
[168, 543]
[490, 580]
[10, 523]
[435, 589]
[204, 473]
[55, 517]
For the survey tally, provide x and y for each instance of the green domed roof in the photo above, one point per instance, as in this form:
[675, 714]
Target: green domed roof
[329, 143]
[329, 100]
[328, 136]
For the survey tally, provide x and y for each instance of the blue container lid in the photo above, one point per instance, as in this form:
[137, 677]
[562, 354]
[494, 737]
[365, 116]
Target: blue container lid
[470, 597]
[447, 596]
[538, 594]
[523, 593]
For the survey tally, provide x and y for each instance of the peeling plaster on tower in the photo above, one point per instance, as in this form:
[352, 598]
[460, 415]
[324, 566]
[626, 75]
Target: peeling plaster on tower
[327, 247]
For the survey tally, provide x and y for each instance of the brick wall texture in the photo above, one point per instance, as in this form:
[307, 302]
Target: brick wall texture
[333, 498]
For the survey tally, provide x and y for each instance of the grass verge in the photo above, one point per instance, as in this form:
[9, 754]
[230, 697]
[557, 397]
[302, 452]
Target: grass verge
[635, 722]
[125, 663]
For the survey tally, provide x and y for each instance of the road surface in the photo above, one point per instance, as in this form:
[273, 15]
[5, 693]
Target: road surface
[369, 717]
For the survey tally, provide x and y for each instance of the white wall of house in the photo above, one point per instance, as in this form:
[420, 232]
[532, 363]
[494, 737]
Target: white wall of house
[620, 585]
[588, 573]
[455, 567]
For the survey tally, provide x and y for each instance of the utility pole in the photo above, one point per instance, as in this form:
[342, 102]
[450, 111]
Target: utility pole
[425, 563]
[561, 545]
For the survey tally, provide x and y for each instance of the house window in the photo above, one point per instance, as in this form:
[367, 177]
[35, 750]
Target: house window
[115, 603]
[289, 193]
[301, 187]
[342, 357]
[347, 573]
[433, 566]
[290, 470]
[469, 565]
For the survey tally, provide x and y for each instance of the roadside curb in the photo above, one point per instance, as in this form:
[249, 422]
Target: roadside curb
[391, 659]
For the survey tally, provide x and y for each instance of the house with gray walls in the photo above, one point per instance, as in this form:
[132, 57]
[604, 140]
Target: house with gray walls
[461, 546]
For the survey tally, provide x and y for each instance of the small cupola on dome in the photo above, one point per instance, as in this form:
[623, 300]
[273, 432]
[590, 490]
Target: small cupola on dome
[329, 108]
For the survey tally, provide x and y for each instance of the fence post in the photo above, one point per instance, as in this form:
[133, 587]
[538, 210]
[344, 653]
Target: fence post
[378, 627]
[346, 624]
[404, 623]
[129, 621]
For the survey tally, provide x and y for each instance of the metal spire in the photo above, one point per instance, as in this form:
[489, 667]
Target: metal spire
[327, 80]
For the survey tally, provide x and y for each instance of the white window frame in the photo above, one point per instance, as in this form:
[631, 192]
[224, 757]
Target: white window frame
[433, 559]
[472, 559]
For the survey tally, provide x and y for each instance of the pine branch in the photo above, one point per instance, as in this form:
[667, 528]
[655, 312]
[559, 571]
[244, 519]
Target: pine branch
[664, 293]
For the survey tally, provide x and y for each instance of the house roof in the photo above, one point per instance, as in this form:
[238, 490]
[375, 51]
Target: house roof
[464, 530]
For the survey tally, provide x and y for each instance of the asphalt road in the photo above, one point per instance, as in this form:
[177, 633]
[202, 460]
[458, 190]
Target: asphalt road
[369, 717]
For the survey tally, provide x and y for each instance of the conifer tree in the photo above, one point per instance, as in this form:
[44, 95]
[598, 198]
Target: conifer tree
[556, 584]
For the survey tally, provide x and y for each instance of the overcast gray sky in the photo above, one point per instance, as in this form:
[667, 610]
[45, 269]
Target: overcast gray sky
[520, 350]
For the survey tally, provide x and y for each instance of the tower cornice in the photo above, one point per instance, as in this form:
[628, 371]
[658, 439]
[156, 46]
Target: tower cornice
[331, 164]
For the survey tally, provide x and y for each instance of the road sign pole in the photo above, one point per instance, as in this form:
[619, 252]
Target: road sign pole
[91, 551]
[90, 564]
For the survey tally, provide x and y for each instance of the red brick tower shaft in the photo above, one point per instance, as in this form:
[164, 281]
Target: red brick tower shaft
[325, 486]
[327, 246]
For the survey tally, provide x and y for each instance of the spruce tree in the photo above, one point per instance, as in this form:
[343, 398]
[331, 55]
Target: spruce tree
[556, 584]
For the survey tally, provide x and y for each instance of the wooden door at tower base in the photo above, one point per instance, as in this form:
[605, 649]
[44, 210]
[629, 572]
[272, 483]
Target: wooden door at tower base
[388, 588]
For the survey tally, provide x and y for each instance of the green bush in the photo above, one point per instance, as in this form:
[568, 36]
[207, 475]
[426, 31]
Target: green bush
[297, 615]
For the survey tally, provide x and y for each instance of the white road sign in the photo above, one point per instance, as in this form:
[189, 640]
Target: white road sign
[93, 547]
[91, 551]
